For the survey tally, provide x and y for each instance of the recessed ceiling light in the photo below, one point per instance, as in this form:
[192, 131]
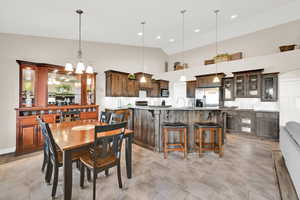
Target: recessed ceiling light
[55, 71]
[140, 33]
[197, 30]
[233, 16]
[172, 40]
[158, 37]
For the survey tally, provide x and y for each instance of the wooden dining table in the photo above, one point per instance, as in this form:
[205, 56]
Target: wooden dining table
[77, 136]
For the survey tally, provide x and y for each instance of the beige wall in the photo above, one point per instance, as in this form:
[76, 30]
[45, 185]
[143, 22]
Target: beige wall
[58, 51]
[260, 43]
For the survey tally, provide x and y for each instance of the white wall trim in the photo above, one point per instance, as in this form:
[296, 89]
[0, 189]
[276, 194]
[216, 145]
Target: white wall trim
[7, 150]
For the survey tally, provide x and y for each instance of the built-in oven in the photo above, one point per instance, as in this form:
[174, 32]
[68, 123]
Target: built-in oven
[164, 93]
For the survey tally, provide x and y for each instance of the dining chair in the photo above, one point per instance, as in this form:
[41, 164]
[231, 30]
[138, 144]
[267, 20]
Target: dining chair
[104, 153]
[116, 118]
[105, 116]
[45, 148]
[55, 159]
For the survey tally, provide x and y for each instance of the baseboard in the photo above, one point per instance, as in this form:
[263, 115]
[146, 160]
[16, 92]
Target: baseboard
[7, 150]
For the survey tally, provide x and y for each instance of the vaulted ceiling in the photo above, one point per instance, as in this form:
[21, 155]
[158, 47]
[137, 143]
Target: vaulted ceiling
[118, 21]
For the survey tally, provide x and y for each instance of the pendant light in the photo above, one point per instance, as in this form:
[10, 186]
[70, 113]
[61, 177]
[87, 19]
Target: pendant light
[143, 79]
[183, 77]
[80, 68]
[216, 78]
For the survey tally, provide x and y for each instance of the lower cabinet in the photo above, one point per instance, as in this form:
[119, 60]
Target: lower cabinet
[259, 123]
[88, 115]
[267, 124]
[29, 137]
[144, 128]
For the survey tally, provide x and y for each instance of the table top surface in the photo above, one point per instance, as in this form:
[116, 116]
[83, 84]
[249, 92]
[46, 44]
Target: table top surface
[72, 135]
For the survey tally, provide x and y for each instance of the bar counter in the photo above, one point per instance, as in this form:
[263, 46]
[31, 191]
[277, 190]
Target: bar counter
[148, 120]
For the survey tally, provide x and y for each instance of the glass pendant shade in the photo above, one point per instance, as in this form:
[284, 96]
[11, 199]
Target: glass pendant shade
[68, 67]
[80, 68]
[182, 78]
[143, 79]
[89, 69]
[216, 79]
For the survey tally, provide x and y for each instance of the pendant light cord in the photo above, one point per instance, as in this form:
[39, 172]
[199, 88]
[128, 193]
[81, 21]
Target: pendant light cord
[217, 46]
[183, 12]
[143, 46]
[79, 35]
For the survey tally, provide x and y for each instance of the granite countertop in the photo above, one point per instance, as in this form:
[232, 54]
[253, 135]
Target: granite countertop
[190, 108]
[174, 108]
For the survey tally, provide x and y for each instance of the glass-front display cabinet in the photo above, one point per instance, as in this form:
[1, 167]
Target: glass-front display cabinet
[27, 88]
[44, 85]
[269, 87]
[253, 86]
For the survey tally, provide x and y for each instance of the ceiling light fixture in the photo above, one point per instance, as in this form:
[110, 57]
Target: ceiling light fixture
[233, 16]
[143, 79]
[183, 77]
[197, 30]
[172, 40]
[158, 37]
[80, 68]
[216, 78]
[140, 33]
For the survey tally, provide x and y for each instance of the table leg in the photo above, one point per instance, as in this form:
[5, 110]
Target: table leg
[67, 175]
[128, 155]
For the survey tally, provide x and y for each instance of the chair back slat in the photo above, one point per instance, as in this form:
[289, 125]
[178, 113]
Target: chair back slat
[104, 146]
[105, 116]
[116, 118]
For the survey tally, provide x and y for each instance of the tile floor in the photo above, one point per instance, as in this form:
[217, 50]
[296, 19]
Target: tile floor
[246, 172]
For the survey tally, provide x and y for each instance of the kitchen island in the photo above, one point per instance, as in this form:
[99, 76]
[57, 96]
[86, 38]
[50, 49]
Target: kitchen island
[148, 120]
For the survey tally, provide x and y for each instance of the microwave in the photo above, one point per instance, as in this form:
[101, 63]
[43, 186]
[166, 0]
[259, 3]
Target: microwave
[164, 93]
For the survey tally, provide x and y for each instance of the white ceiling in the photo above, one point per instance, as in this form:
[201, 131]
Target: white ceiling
[118, 21]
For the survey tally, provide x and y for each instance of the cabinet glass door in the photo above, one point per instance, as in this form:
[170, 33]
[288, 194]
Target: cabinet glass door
[253, 85]
[28, 87]
[90, 89]
[228, 89]
[269, 87]
[240, 85]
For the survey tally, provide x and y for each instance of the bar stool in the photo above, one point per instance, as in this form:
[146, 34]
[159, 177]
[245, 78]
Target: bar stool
[211, 146]
[176, 127]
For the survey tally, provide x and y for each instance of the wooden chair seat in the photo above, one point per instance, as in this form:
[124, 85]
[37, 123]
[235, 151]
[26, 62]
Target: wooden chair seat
[75, 156]
[87, 160]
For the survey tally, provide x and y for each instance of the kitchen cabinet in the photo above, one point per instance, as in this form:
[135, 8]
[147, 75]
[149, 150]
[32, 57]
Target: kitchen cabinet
[163, 84]
[232, 122]
[118, 85]
[155, 89]
[132, 88]
[247, 121]
[267, 124]
[148, 84]
[207, 80]
[228, 89]
[247, 84]
[269, 87]
[190, 89]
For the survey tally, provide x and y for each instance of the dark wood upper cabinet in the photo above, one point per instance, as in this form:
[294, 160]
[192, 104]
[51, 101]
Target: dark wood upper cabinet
[228, 89]
[190, 89]
[148, 84]
[117, 84]
[207, 80]
[269, 87]
[247, 84]
[155, 89]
